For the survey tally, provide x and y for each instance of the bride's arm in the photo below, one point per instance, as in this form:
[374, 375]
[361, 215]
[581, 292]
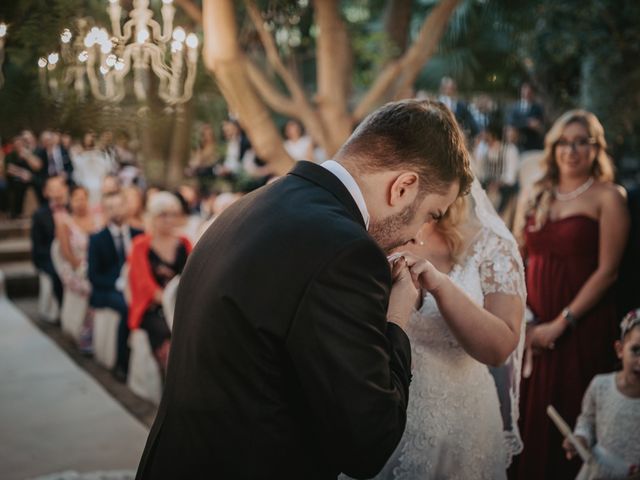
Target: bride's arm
[490, 333]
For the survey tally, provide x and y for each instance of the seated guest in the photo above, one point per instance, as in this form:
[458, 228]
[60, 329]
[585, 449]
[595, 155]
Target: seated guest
[134, 197]
[55, 158]
[21, 167]
[56, 193]
[155, 259]
[72, 231]
[108, 250]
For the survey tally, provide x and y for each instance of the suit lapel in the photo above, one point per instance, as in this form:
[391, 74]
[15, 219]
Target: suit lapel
[327, 180]
[110, 243]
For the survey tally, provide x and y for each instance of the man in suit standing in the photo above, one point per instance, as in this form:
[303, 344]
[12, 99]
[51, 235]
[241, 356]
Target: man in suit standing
[108, 250]
[527, 117]
[449, 96]
[285, 360]
[55, 158]
[56, 194]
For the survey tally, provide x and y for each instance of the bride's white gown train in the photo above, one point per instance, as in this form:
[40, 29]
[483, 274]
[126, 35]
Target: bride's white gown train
[454, 426]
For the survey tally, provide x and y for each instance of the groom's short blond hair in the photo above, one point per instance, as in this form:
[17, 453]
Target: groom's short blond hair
[418, 135]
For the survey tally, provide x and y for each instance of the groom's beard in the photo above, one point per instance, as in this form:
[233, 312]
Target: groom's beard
[386, 232]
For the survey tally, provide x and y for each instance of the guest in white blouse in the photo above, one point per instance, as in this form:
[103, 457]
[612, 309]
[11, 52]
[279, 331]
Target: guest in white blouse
[610, 414]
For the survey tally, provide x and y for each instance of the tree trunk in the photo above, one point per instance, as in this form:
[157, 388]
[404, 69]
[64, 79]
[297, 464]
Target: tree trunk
[224, 58]
[334, 60]
[398, 76]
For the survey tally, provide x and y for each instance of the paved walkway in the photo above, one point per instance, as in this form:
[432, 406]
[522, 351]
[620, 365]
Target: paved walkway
[53, 416]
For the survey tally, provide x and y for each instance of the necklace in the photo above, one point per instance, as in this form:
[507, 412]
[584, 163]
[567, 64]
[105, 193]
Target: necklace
[565, 197]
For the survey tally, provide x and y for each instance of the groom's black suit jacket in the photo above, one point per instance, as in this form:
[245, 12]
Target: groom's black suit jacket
[282, 362]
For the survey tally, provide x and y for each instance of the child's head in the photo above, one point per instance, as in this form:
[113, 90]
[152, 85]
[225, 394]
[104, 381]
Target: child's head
[628, 347]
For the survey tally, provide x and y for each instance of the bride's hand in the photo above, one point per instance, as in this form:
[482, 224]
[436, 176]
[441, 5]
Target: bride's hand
[545, 335]
[423, 273]
[404, 294]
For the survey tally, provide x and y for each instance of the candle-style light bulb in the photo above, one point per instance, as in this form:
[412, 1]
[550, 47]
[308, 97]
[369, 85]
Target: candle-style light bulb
[66, 36]
[192, 40]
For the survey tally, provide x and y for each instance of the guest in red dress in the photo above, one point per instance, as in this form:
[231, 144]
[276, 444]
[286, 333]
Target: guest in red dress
[573, 228]
[155, 259]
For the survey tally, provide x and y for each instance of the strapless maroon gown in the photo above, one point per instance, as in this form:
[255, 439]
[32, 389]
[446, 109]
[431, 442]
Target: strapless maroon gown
[561, 257]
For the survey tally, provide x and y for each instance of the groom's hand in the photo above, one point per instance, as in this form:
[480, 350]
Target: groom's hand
[404, 294]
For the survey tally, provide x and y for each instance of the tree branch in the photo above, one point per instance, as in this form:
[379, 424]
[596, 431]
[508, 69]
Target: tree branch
[191, 9]
[273, 56]
[223, 56]
[400, 74]
[425, 45]
[269, 92]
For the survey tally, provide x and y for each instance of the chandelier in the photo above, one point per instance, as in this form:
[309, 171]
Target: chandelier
[137, 49]
[3, 33]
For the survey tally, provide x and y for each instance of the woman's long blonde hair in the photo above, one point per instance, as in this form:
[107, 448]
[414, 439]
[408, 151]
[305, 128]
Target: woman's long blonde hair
[541, 198]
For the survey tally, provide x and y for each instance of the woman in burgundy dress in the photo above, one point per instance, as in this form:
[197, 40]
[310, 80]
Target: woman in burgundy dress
[573, 229]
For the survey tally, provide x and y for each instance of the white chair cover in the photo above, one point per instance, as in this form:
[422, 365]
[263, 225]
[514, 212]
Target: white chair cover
[48, 307]
[145, 379]
[105, 336]
[169, 300]
[73, 314]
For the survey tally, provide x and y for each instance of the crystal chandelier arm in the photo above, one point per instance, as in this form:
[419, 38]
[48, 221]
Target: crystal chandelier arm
[159, 67]
[127, 30]
[157, 32]
[168, 11]
[94, 83]
[162, 72]
[115, 12]
[188, 85]
[126, 60]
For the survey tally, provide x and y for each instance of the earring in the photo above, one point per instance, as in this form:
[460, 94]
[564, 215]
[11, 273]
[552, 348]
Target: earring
[421, 243]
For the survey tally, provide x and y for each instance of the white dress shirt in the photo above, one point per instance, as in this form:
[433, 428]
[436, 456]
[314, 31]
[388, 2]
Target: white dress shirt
[125, 231]
[349, 182]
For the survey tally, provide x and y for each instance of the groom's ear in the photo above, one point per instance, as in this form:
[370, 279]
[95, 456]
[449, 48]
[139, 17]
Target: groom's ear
[404, 189]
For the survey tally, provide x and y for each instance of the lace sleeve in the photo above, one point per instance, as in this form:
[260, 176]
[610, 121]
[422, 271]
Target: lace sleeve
[499, 270]
[586, 422]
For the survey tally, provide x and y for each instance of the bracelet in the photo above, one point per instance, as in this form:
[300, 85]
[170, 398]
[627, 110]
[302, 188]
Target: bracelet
[567, 314]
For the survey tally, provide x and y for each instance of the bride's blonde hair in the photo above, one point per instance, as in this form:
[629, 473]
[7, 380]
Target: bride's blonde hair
[449, 226]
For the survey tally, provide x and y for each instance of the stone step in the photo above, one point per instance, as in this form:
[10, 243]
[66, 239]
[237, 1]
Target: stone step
[21, 279]
[19, 228]
[15, 250]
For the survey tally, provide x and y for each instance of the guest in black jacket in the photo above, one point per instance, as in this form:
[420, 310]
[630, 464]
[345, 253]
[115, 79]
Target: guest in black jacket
[55, 158]
[527, 117]
[108, 250]
[56, 194]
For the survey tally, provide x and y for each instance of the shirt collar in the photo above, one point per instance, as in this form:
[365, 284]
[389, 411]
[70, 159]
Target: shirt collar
[119, 230]
[351, 185]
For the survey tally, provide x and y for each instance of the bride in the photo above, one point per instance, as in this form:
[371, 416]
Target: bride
[467, 339]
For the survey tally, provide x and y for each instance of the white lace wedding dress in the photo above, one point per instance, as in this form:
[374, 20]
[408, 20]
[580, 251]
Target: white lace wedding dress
[455, 429]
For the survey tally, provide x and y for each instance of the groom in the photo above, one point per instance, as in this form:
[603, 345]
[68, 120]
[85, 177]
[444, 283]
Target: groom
[285, 362]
